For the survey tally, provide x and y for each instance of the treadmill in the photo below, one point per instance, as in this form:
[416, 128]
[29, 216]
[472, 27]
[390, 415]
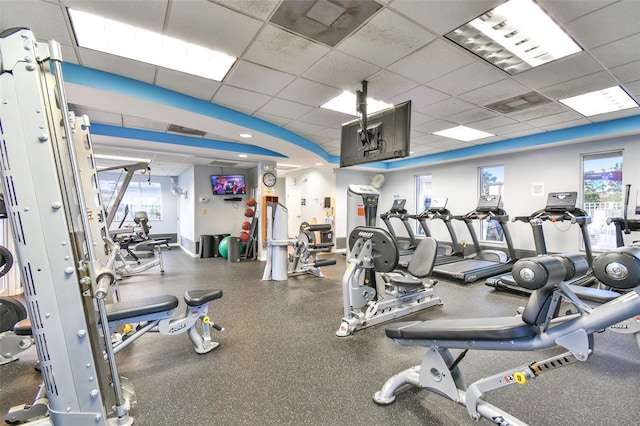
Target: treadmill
[406, 248]
[438, 211]
[561, 207]
[483, 263]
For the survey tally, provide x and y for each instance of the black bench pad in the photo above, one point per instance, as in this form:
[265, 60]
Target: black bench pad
[501, 328]
[146, 306]
[23, 327]
[200, 297]
[594, 294]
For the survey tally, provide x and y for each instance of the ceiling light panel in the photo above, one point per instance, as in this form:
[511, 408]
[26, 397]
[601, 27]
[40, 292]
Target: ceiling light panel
[601, 101]
[515, 36]
[346, 103]
[116, 38]
[463, 133]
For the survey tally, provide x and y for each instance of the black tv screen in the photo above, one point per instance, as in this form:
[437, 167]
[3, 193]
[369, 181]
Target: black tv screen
[388, 137]
[228, 185]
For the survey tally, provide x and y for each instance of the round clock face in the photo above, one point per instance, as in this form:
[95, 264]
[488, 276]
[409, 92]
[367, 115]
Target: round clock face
[269, 179]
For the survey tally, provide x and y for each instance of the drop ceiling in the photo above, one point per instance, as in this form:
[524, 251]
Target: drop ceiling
[281, 77]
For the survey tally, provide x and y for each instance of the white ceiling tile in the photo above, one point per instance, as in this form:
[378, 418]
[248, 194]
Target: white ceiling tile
[555, 119]
[616, 21]
[340, 70]
[143, 123]
[258, 78]
[436, 59]
[565, 11]
[280, 121]
[147, 14]
[628, 72]
[633, 89]
[472, 115]
[330, 132]
[321, 140]
[420, 97]
[560, 70]
[97, 116]
[491, 123]
[467, 78]
[189, 84]
[442, 16]
[509, 129]
[117, 65]
[309, 92]
[284, 108]
[69, 54]
[494, 92]
[566, 125]
[386, 38]
[46, 20]
[447, 107]
[418, 118]
[211, 25]
[260, 9]
[326, 117]
[434, 126]
[579, 86]
[240, 98]
[450, 144]
[425, 140]
[615, 115]
[303, 129]
[284, 51]
[619, 52]
[384, 84]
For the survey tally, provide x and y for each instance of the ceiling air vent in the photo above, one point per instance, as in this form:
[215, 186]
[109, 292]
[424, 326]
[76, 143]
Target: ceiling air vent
[518, 103]
[174, 128]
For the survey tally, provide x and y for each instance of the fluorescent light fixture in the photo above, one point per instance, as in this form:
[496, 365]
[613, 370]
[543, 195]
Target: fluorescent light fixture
[116, 38]
[245, 135]
[242, 155]
[462, 133]
[515, 36]
[319, 164]
[346, 103]
[601, 101]
[293, 166]
[120, 158]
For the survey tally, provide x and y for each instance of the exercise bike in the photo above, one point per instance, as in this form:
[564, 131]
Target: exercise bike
[537, 328]
[374, 291]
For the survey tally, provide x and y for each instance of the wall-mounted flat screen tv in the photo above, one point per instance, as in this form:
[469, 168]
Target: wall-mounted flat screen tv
[228, 185]
[387, 137]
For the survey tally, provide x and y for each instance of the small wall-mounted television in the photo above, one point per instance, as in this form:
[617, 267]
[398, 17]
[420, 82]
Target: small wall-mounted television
[228, 185]
[387, 137]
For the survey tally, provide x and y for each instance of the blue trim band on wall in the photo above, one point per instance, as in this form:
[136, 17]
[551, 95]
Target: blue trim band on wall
[113, 83]
[149, 135]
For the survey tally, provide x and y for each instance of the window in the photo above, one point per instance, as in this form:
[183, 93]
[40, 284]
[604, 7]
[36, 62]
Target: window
[602, 195]
[491, 180]
[423, 198]
[139, 196]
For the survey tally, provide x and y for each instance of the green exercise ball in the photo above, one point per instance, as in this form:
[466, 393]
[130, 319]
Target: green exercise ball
[223, 247]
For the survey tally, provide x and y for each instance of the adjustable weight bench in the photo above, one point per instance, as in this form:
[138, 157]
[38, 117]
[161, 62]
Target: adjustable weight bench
[537, 328]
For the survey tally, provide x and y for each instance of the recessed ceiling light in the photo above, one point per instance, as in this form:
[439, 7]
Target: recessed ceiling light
[319, 164]
[462, 133]
[245, 135]
[242, 155]
[601, 101]
[121, 158]
[346, 103]
[116, 38]
[515, 36]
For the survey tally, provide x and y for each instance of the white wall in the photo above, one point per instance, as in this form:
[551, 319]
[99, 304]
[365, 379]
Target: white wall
[314, 185]
[558, 168]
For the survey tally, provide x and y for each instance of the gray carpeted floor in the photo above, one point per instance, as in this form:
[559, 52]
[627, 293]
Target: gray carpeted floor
[280, 363]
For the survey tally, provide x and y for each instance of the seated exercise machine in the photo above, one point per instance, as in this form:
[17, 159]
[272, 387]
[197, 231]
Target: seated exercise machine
[137, 243]
[624, 225]
[304, 259]
[560, 208]
[533, 330]
[372, 298]
[482, 263]
[58, 227]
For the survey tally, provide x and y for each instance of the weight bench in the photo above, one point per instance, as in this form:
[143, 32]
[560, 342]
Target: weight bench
[156, 314]
[537, 328]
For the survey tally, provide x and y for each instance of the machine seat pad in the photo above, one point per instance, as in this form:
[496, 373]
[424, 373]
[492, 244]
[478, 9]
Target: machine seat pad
[405, 281]
[156, 242]
[322, 246]
[23, 327]
[146, 306]
[200, 297]
[501, 328]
